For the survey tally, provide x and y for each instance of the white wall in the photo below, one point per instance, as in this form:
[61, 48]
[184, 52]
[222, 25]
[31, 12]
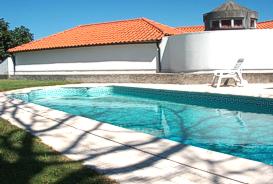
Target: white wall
[6, 67]
[127, 57]
[217, 50]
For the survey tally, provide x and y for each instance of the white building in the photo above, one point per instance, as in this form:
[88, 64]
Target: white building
[144, 46]
[6, 67]
[121, 46]
[211, 50]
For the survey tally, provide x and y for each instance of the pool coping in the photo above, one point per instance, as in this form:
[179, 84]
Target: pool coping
[170, 156]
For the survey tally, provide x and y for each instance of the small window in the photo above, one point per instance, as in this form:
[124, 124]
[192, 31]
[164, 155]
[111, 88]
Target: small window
[253, 23]
[238, 23]
[215, 24]
[226, 24]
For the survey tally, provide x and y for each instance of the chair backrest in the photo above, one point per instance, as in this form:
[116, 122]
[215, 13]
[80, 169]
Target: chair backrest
[238, 64]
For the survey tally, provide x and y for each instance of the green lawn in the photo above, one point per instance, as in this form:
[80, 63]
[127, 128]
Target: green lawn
[6, 85]
[25, 159]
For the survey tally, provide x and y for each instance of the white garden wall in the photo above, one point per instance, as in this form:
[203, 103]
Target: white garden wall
[112, 58]
[217, 50]
[6, 67]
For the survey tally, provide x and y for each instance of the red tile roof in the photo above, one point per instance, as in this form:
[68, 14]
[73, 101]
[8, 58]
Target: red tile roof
[126, 31]
[192, 29]
[265, 25]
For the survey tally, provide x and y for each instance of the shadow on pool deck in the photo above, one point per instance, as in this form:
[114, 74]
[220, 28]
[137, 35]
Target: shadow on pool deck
[130, 172]
[23, 159]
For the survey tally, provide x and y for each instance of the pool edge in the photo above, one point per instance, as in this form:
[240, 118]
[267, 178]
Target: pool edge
[260, 167]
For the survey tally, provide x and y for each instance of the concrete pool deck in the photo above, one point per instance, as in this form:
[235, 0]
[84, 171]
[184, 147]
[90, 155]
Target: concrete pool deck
[133, 157]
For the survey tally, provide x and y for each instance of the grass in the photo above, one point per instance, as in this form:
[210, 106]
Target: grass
[25, 159]
[6, 85]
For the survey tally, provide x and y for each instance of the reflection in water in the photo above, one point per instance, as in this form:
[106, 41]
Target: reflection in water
[243, 134]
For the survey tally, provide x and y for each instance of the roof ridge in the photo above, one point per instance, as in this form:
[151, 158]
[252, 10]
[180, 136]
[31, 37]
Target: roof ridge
[114, 21]
[153, 23]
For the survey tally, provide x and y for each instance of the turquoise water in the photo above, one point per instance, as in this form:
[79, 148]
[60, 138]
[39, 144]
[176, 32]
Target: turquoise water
[239, 126]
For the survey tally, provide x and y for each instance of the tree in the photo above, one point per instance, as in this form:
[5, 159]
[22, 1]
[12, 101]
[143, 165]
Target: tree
[12, 38]
[21, 35]
[5, 39]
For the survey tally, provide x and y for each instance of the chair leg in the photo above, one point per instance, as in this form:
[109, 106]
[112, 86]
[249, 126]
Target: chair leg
[219, 82]
[226, 82]
[240, 76]
[213, 80]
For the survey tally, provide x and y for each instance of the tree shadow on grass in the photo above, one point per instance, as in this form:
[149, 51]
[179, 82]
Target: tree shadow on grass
[24, 159]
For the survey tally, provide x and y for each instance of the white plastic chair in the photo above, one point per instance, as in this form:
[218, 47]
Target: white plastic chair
[235, 73]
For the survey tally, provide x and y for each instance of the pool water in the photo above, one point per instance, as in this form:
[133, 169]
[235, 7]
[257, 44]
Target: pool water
[236, 125]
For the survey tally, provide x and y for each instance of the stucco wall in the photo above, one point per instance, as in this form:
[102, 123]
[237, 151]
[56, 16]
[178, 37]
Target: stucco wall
[218, 50]
[127, 57]
[6, 67]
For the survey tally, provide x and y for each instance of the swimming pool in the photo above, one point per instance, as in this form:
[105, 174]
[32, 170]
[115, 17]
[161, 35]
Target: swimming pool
[236, 125]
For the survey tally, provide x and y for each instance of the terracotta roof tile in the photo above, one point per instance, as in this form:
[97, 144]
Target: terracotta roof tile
[265, 25]
[166, 30]
[127, 31]
[192, 29]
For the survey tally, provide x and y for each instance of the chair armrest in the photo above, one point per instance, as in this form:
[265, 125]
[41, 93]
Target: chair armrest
[225, 71]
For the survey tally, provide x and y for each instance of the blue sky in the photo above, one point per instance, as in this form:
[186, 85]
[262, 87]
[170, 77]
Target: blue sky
[45, 17]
